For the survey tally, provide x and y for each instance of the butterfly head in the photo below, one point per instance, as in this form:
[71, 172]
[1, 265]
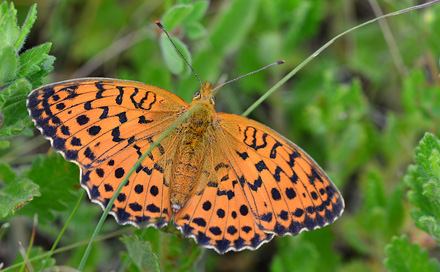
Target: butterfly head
[205, 93]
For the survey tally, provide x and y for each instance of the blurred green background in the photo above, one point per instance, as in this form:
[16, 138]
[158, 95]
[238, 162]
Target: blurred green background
[359, 109]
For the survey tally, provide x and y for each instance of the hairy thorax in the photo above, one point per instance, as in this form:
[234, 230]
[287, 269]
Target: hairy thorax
[191, 151]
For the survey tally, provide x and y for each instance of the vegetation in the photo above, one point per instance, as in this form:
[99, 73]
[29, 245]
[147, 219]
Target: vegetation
[367, 109]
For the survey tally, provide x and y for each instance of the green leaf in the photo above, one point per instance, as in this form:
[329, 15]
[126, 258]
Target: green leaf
[26, 28]
[34, 64]
[141, 254]
[31, 60]
[13, 108]
[175, 16]
[424, 181]
[58, 181]
[173, 59]
[176, 253]
[8, 25]
[395, 213]
[233, 26]
[8, 64]
[199, 10]
[36, 79]
[195, 30]
[14, 191]
[405, 257]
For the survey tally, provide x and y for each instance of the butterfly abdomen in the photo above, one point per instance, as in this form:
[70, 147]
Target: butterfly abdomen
[189, 158]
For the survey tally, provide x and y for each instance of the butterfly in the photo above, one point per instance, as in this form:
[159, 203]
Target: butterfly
[227, 181]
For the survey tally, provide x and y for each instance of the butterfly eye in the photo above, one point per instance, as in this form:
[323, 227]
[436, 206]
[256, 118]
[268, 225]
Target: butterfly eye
[197, 95]
[212, 100]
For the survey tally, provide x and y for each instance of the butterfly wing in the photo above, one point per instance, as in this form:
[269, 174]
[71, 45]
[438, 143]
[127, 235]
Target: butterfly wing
[265, 185]
[217, 214]
[104, 126]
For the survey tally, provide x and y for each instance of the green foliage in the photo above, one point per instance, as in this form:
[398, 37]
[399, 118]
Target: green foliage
[307, 252]
[188, 16]
[172, 58]
[14, 191]
[57, 180]
[304, 258]
[405, 257]
[424, 180]
[174, 253]
[140, 254]
[37, 264]
[359, 109]
[19, 73]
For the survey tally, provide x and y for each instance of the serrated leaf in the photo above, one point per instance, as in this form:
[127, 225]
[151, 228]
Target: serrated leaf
[8, 25]
[8, 64]
[31, 60]
[14, 191]
[26, 28]
[13, 108]
[36, 79]
[141, 254]
[405, 257]
[432, 225]
[58, 181]
[175, 15]
[173, 59]
[424, 181]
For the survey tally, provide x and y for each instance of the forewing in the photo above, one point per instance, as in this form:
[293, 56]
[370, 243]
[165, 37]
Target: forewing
[104, 125]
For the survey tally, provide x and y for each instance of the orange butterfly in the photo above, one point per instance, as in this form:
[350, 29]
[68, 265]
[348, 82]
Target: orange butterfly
[229, 182]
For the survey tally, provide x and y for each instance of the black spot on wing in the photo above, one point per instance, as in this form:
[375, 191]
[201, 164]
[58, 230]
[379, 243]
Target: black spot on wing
[104, 113]
[273, 151]
[143, 120]
[120, 95]
[244, 155]
[260, 166]
[116, 133]
[82, 120]
[87, 105]
[60, 106]
[89, 154]
[147, 106]
[136, 90]
[122, 117]
[94, 130]
[292, 158]
[257, 184]
[100, 88]
[221, 165]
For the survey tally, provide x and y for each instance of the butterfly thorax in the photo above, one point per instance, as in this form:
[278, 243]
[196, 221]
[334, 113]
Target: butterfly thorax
[191, 150]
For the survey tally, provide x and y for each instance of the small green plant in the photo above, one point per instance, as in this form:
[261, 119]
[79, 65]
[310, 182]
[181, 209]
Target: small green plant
[20, 72]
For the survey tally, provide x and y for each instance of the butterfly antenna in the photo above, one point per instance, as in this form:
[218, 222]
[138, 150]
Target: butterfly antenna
[248, 74]
[194, 72]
